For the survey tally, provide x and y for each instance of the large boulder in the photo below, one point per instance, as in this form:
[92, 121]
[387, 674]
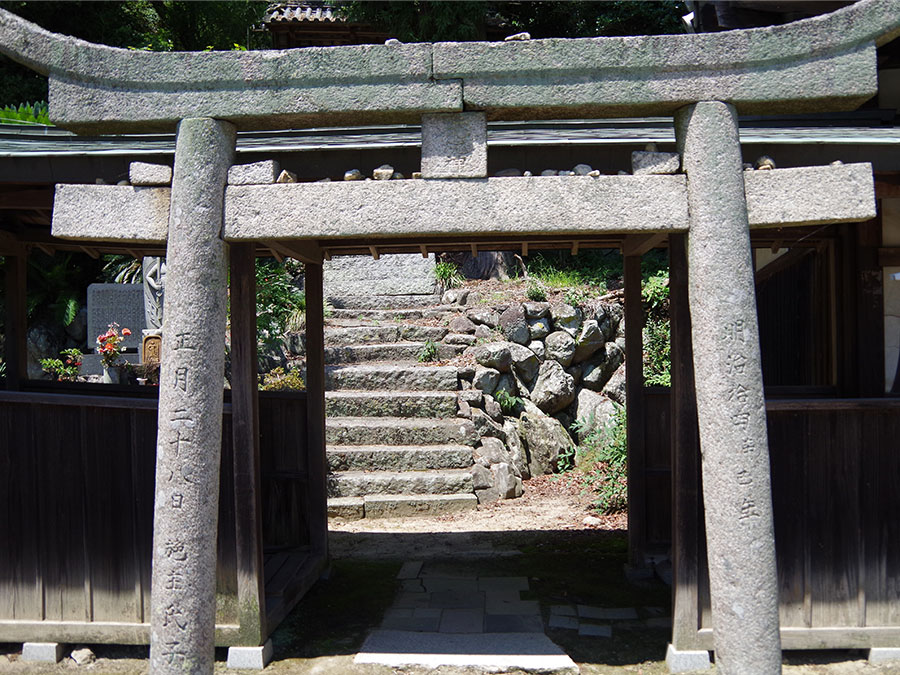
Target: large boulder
[566, 317]
[494, 355]
[516, 447]
[615, 387]
[485, 316]
[491, 451]
[593, 412]
[560, 346]
[513, 324]
[462, 324]
[485, 380]
[525, 362]
[539, 328]
[554, 389]
[506, 482]
[538, 348]
[599, 368]
[589, 340]
[506, 382]
[545, 439]
[484, 426]
[536, 310]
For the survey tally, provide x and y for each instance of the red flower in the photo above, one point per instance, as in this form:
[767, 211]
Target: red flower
[125, 331]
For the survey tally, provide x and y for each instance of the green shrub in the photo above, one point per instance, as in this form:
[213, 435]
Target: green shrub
[429, 352]
[277, 298]
[448, 275]
[280, 380]
[603, 458]
[535, 292]
[508, 402]
[64, 371]
[25, 113]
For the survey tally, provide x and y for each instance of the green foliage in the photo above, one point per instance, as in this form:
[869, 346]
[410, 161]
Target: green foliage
[421, 21]
[25, 113]
[64, 371]
[655, 300]
[565, 461]
[602, 458]
[429, 352]
[535, 292]
[57, 285]
[277, 299]
[593, 268]
[508, 403]
[657, 353]
[448, 274]
[280, 380]
[122, 269]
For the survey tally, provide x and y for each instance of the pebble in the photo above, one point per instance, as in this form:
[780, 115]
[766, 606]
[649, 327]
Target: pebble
[517, 36]
[391, 42]
[508, 172]
[548, 172]
[353, 174]
[82, 656]
[287, 177]
[383, 172]
[765, 163]
[583, 169]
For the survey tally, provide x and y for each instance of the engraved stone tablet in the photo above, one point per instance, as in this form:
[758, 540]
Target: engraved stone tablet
[119, 303]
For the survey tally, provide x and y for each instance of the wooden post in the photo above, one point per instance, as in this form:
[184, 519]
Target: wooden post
[315, 407]
[634, 405]
[245, 435]
[685, 457]
[16, 320]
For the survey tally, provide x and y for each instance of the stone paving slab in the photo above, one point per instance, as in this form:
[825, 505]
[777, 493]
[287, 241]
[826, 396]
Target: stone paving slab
[614, 613]
[513, 623]
[502, 584]
[565, 622]
[459, 584]
[563, 610]
[410, 569]
[593, 630]
[457, 600]
[462, 621]
[486, 651]
[521, 607]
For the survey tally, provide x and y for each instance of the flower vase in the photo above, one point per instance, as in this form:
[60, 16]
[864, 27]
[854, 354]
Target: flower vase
[111, 374]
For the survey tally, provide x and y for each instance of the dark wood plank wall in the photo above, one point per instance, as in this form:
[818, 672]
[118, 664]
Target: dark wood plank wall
[76, 508]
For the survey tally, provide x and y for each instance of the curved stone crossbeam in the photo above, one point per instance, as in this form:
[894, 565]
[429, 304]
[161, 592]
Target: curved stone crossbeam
[826, 62]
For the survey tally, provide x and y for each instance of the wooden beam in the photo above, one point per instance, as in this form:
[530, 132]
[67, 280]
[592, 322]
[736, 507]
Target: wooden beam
[306, 251]
[27, 199]
[374, 251]
[16, 319]
[639, 244]
[90, 251]
[575, 247]
[685, 449]
[245, 439]
[423, 249]
[634, 403]
[524, 249]
[889, 256]
[474, 248]
[782, 262]
[49, 250]
[315, 409]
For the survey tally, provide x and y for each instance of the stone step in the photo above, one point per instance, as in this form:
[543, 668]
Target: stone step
[389, 377]
[435, 311]
[398, 506]
[404, 301]
[394, 351]
[363, 483]
[390, 404]
[398, 457]
[338, 336]
[398, 431]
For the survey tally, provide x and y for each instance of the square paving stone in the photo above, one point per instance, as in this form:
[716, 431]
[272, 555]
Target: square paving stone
[563, 610]
[462, 621]
[412, 586]
[593, 630]
[438, 584]
[567, 622]
[523, 607]
[501, 596]
[420, 625]
[512, 623]
[427, 613]
[608, 613]
[412, 600]
[457, 600]
[502, 583]
[410, 569]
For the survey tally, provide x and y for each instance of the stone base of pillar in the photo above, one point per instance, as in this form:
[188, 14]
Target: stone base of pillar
[43, 652]
[884, 654]
[250, 658]
[682, 661]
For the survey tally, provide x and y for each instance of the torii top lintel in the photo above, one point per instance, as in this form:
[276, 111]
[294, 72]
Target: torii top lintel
[817, 64]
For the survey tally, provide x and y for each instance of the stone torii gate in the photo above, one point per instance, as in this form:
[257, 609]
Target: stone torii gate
[824, 63]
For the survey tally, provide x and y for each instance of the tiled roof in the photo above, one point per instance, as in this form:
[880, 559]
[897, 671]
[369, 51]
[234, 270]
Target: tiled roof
[294, 12]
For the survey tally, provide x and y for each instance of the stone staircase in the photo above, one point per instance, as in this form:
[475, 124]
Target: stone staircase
[394, 443]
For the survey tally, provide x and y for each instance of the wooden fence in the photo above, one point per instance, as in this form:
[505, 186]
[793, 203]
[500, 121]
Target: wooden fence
[77, 479]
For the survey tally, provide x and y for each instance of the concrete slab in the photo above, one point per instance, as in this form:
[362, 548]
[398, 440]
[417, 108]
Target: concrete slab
[487, 651]
[614, 613]
[502, 583]
[563, 610]
[564, 622]
[43, 652]
[594, 630]
[457, 584]
[411, 624]
[410, 569]
[457, 600]
[513, 623]
[521, 607]
[412, 586]
[250, 658]
[413, 600]
[884, 654]
[682, 661]
[462, 621]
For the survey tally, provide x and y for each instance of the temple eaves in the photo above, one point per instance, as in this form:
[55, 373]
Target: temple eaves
[97, 88]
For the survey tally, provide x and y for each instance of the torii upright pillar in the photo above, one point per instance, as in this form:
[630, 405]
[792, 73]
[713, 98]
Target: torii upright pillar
[731, 408]
[183, 593]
